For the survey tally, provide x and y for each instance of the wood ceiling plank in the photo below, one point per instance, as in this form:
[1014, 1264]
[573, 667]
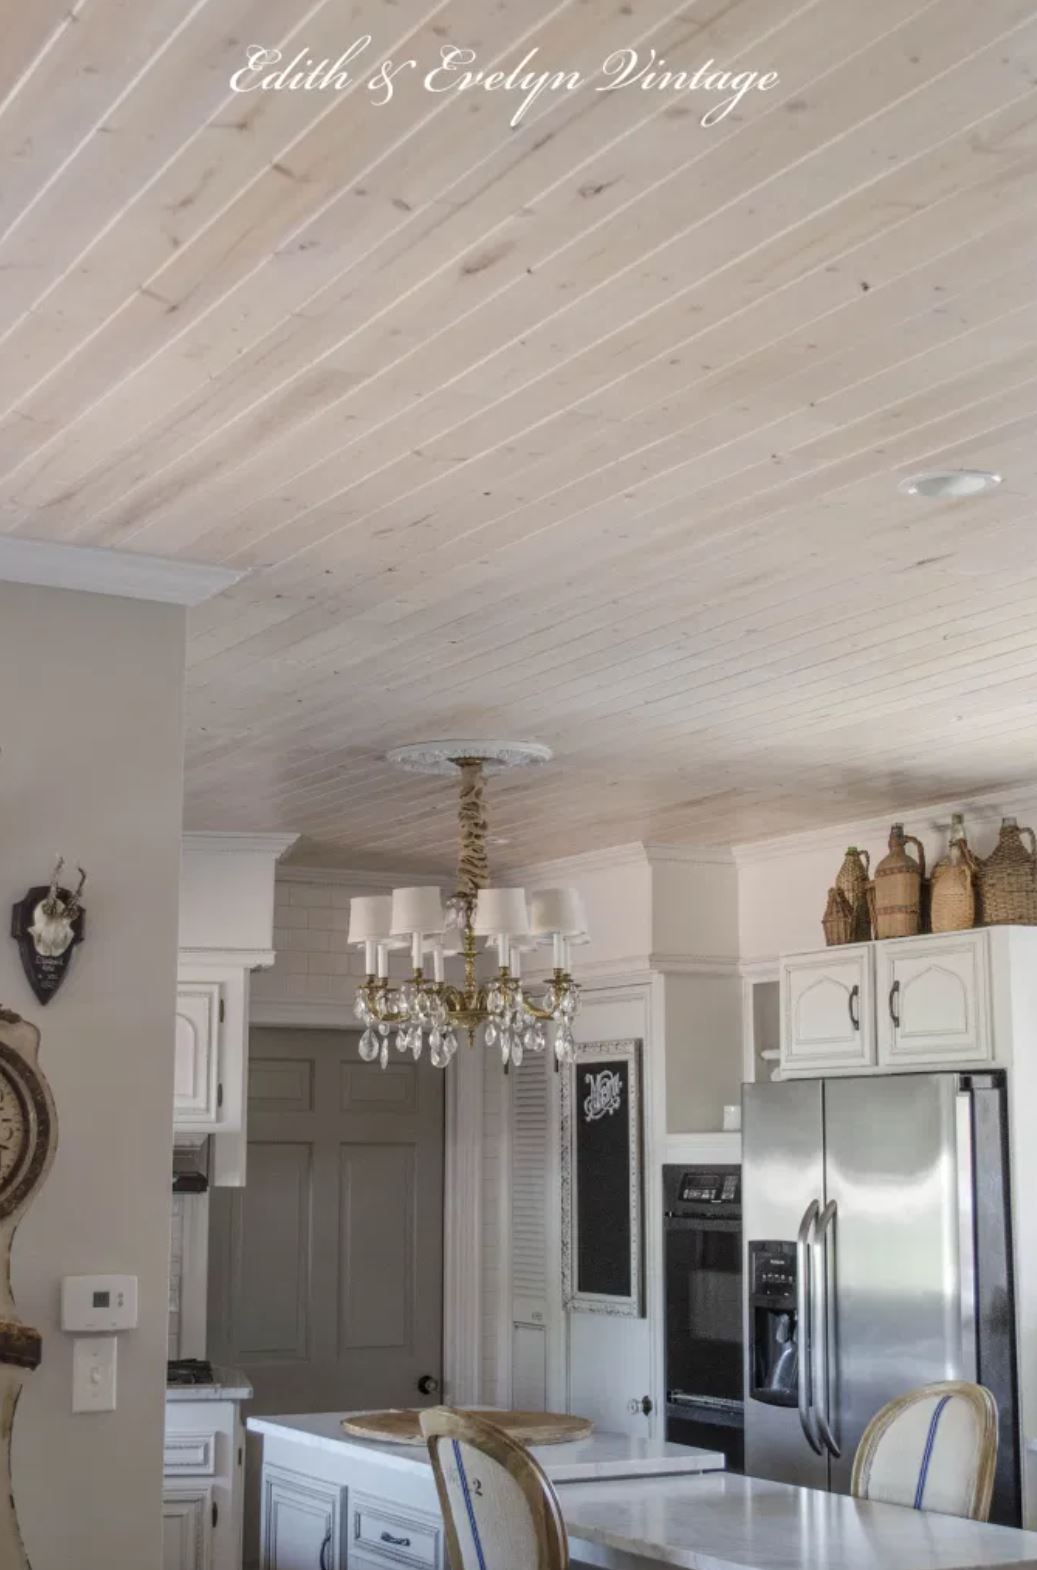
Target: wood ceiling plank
[372, 304]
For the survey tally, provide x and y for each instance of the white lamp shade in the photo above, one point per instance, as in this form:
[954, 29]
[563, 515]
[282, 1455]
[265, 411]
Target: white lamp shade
[369, 918]
[501, 911]
[417, 910]
[556, 911]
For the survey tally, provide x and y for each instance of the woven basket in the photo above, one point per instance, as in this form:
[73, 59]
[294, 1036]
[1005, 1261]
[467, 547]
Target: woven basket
[838, 919]
[898, 887]
[1008, 880]
[852, 882]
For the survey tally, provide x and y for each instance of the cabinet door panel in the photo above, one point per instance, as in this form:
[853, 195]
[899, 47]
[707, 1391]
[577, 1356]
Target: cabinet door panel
[197, 1056]
[827, 1019]
[186, 1528]
[302, 1522]
[933, 1001]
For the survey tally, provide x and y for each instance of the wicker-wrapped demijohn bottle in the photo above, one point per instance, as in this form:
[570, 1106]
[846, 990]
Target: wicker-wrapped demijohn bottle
[852, 882]
[898, 887]
[1008, 879]
[952, 905]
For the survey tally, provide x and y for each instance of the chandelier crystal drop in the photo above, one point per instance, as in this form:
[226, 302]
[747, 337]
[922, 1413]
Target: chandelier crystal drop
[426, 1009]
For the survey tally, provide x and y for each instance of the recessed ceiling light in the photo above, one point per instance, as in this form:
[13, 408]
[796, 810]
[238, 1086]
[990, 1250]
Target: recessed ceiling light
[953, 483]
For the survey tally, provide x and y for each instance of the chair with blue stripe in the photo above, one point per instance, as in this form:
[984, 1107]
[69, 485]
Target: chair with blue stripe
[932, 1449]
[499, 1509]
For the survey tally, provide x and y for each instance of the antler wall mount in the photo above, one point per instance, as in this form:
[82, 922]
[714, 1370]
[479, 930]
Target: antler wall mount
[47, 924]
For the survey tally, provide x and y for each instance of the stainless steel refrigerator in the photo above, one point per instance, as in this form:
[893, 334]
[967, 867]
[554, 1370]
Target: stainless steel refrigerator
[877, 1258]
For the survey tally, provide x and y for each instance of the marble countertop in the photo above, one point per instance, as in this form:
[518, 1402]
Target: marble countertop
[585, 1460]
[726, 1522]
[229, 1384]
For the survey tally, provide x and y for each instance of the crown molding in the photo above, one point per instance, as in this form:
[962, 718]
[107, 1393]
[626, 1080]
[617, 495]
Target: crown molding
[215, 842]
[91, 569]
[637, 853]
[986, 810]
[248, 959]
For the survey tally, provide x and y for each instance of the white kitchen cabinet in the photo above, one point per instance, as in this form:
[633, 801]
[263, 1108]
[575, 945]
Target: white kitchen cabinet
[211, 1057]
[186, 1526]
[302, 1519]
[932, 1002]
[197, 1087]
[203, 1484]
[827, 1010]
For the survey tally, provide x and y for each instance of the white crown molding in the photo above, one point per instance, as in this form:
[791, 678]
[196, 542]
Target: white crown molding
[762, 968]
[89, 569]
[635, 854]
[213, 841]
[249, 959]
[985, 810]
[701, 965]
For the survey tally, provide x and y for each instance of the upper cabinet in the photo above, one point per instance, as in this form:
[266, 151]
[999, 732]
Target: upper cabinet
[906, 1003]
[226, 932]
[197, 1087]
[827, 1010]
[933, 1001]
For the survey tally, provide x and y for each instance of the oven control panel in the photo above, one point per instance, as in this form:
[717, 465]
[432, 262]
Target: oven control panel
[710, 1188]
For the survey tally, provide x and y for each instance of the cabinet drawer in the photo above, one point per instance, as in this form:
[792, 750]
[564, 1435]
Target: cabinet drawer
[189, 1455]
[388, 1535]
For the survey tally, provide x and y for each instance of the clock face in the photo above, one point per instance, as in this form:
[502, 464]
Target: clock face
[15, 1133]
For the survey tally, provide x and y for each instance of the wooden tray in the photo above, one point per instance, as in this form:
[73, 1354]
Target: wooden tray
[401, 1427]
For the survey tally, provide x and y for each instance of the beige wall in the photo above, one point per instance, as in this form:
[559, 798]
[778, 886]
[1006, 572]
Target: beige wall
[91, 765]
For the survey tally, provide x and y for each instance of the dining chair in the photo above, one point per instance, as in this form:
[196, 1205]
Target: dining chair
[934, 1448]
[499, 1508]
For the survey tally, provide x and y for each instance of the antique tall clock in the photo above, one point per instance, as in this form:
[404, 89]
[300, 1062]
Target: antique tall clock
[28, 1135]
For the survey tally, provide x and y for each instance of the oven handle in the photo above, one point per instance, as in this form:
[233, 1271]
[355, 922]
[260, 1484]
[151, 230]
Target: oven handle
[673, 1223]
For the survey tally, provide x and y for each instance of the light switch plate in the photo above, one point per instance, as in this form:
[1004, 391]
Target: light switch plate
[94, 1373]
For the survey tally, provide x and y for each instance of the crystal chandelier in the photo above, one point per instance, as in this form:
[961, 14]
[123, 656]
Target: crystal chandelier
[427, 1006]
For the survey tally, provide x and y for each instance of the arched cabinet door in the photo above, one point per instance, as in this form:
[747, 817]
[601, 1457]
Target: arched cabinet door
[933, 1001]
[826, 1010]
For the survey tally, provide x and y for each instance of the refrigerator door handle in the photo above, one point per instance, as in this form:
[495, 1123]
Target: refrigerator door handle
[804, 1313]
[824, 1245]
[966, 1232]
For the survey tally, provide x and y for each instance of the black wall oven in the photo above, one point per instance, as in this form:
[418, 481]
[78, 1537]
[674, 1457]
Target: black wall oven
[703, 1232]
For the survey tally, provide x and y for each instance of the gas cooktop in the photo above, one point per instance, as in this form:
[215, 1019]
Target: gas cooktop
[189, 1371]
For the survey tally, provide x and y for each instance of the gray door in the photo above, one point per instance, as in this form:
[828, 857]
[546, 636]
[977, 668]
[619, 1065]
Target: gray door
[326, 1270]
[782, 1178]
[902, 1221]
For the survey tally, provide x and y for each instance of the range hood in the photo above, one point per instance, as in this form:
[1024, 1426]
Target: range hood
[190, 1164]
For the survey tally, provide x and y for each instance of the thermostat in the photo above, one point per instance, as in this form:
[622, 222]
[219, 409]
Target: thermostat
[93, 1304]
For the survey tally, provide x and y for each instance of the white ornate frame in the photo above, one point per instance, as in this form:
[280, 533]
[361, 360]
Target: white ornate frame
[633, 1305]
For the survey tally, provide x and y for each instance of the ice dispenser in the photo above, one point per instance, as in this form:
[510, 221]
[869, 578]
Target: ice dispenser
[773, 1323]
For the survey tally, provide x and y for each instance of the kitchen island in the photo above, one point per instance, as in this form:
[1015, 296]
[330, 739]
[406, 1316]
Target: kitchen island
[333, 1501]
[341, 1503]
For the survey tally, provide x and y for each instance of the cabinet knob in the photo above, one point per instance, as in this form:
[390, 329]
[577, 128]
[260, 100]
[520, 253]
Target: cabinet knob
[428, 1384]
[643, 1404]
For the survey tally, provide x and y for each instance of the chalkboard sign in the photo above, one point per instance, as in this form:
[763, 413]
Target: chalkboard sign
[602, 1233]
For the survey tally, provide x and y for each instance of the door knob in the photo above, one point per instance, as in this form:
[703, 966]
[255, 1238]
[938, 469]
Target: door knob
[428, 1384]
[641, 1404]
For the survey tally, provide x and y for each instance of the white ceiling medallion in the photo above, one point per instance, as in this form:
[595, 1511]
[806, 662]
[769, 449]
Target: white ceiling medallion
[428, 1007]
[949, 484]
[445, 757]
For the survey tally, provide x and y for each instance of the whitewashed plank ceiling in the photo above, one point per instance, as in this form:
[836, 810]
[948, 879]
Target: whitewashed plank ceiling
[586, 429]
